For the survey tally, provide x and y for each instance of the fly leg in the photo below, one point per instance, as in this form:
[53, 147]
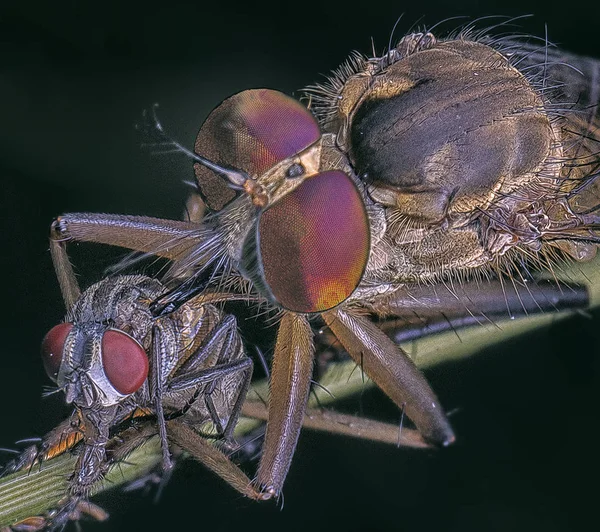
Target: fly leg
[424, 310]
[92, 464]
[290, 385]
[165, 238]
[157, 382]
[348, 425]
[61, 439]
[480, 299]
[393, 371]
[207, 454]
[223, 340]
[195, 376]
[41, 522]
[74, 509]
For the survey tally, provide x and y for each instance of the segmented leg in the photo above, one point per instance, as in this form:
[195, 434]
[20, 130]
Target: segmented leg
[393, 371]
[348, 425]
[212, 458]
[290, 384]
[157, 390]
[224, 340]
[481, 299]
[166, 238]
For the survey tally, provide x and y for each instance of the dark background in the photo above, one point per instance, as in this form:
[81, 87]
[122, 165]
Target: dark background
[73, 82]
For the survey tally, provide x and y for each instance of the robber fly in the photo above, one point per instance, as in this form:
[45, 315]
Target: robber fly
[440, 161]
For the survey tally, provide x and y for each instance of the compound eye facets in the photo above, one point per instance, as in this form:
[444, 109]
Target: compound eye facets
[125, 361]
[251, 131]
[309, 250]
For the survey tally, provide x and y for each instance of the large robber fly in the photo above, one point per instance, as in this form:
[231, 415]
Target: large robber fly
[466, 161]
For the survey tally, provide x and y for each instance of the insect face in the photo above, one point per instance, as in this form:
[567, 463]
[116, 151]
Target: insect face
[307, 246]
[94, 365]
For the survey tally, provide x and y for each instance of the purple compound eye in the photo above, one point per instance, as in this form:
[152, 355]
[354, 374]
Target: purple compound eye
[251, 131]
[309, 250]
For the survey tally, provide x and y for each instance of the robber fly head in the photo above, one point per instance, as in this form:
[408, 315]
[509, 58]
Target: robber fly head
[303, 238]
[93, 363]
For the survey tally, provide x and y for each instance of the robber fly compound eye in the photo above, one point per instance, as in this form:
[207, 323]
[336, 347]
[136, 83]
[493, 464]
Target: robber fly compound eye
[309, 250]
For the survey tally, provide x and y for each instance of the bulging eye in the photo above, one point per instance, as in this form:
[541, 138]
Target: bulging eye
[52, 348]
[252, 131]
[309, 250]
[125, 361]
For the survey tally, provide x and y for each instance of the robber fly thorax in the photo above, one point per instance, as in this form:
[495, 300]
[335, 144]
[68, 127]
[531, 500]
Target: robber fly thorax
[465, 161]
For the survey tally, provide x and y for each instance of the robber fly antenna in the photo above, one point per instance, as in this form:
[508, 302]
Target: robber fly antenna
[237, 179]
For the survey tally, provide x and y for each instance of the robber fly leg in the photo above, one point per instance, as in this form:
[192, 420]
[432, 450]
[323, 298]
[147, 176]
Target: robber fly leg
[347, 425]
[393, 371]
[290, 385]
[481, 300]
[63, 268]
[165, 238]
[212, 458]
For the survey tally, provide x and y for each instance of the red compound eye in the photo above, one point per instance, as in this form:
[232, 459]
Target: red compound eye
[125, 361]
[52, 348]
[311, 246]
[251, 131]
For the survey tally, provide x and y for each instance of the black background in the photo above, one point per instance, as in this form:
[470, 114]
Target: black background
[73, 81]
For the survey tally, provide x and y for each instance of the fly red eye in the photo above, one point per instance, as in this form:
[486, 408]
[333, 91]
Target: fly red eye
[251, 131]
[125, 361]
[311, 246]
[52, 348]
